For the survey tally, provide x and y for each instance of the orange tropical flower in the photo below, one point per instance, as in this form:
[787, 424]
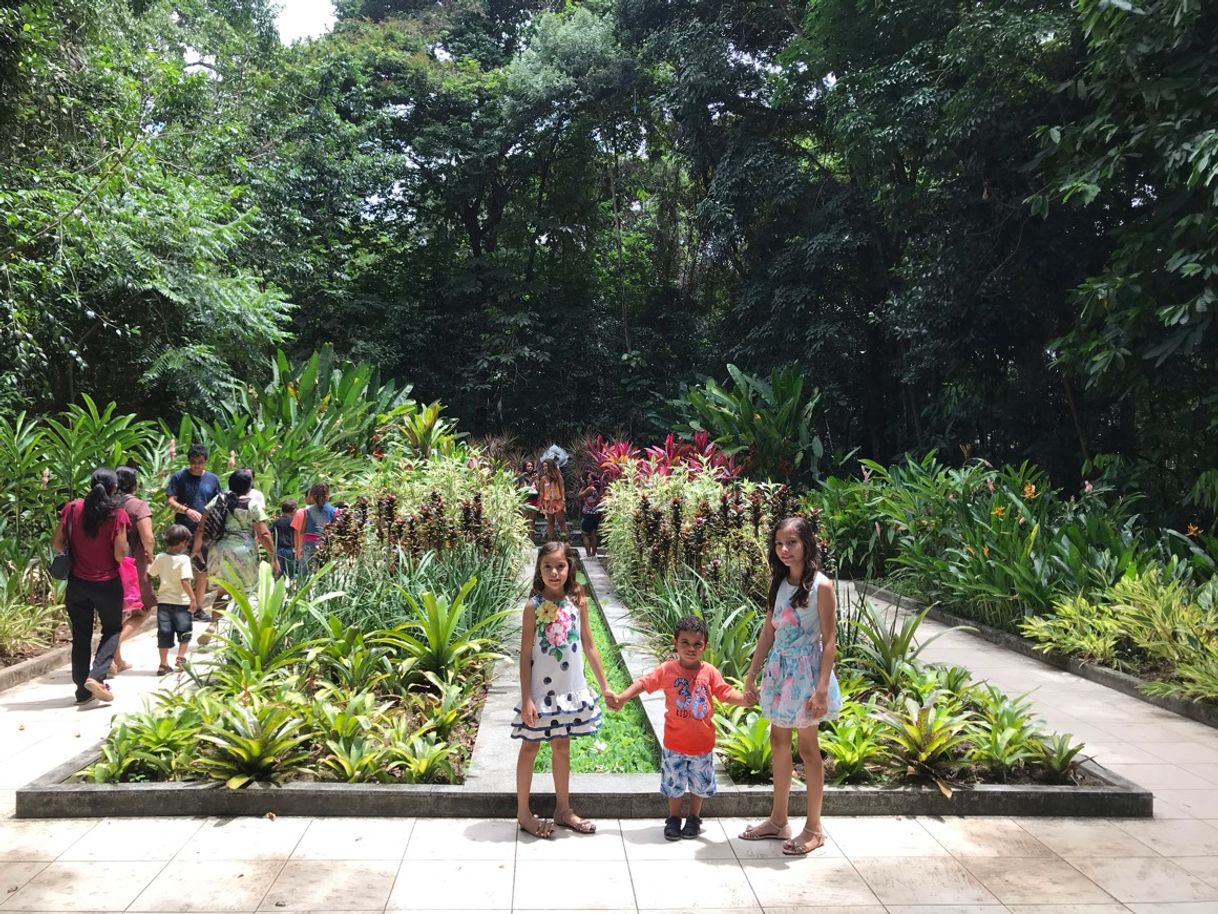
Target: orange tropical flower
[985, 550]
[969, 550]
[1029, 491]
[1193, 530]
[999, 511]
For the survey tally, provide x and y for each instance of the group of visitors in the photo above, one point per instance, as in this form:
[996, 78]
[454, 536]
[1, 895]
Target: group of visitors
[546, 496]
[794, 656]
[112, 560]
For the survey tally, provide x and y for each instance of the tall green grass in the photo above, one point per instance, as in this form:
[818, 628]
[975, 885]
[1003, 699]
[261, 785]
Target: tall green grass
[372, 601]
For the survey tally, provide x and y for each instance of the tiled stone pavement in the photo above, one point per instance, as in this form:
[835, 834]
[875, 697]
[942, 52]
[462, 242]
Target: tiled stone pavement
[1168, 864]
[868, 866]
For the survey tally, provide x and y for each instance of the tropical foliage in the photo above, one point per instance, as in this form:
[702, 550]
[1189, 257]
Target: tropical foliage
[980, 226]
[903, 718]
[1085, 575]
[297, 692]
[1164, 630]
[769, 424]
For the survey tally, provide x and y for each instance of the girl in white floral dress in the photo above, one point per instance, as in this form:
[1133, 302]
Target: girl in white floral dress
[555, 701]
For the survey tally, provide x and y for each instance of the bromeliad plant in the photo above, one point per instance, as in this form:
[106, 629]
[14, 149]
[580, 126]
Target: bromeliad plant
[267, 629]
[744, 743]
[904, 720]
[924, 737]
[261, 741]
[434, 636]
[887, 651]
[282, 704]
[853, 745]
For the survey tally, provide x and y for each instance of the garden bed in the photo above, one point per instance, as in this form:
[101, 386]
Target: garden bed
[60, 793]
[56, 795]
[29, 630]
[1127, 684]
[14, 670]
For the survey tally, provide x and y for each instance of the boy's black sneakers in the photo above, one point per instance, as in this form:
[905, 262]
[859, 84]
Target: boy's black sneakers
[672, 828]
[693, 828]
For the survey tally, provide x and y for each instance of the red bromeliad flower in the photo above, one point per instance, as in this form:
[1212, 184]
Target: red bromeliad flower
[613, 456]
[702, 455]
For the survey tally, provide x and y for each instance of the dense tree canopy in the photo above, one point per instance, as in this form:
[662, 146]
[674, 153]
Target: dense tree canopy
[988, 228]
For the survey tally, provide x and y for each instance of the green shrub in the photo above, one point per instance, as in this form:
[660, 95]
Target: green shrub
[996, 545]
[769, 424]
[1166, 629]
[660, 524]
[927, 738]
[1058, 755]
[744, 743]
[853, 744]
[434, 637]
[27, 627]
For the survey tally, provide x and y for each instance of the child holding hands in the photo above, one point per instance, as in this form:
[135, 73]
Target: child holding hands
[555, 701]
[688, 764]
[797, 643]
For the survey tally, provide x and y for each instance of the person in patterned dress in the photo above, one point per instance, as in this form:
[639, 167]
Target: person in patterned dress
[555, 701]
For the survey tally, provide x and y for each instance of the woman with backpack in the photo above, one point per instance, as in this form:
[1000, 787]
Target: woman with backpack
[233, 527]
[93, 532]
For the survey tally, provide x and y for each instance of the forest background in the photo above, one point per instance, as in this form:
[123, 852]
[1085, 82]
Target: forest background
[987, 228]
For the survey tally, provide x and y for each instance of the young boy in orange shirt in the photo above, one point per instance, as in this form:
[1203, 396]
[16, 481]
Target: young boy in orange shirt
[688, 763]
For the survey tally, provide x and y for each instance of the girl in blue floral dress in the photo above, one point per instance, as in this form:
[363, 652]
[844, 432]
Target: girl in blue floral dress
[555, 701]
[798, 689]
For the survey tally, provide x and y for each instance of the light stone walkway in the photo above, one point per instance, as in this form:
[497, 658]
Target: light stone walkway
[1167, 865]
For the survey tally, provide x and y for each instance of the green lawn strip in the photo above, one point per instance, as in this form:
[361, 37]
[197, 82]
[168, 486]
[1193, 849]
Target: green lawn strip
[624, 744]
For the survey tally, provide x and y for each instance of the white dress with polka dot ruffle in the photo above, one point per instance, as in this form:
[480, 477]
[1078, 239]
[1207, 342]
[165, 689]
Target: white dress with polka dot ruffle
[565, 704]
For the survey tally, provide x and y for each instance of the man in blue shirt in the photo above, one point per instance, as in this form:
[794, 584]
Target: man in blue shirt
[188, 493]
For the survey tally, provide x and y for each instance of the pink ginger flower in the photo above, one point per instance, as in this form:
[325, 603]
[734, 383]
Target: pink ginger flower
[173, 448]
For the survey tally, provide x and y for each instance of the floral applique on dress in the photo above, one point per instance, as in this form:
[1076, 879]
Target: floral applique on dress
[565, 705]
[555, 625]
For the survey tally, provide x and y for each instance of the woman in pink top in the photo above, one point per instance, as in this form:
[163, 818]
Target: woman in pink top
[94, 528]
[141, 547]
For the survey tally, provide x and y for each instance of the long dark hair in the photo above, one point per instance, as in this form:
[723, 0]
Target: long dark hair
[101, 502]
[779, 571]
[571, 586]
[128, 479]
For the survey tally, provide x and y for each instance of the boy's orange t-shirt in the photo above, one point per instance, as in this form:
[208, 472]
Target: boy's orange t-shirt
[689, 725]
